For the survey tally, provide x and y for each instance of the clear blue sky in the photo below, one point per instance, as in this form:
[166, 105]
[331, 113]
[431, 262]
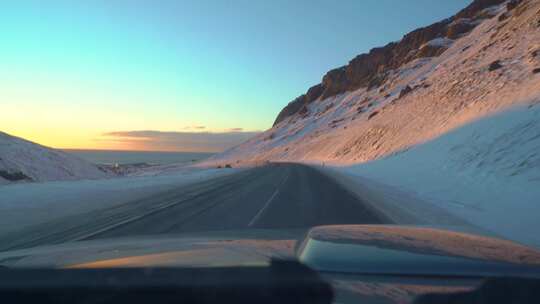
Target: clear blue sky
[73, 70]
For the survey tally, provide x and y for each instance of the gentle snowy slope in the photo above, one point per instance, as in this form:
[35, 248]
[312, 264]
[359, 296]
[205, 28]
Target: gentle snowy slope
[487, 173]
[22, 160]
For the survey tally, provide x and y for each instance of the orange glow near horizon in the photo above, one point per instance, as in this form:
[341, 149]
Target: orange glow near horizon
[58, 137]
[81, 123]
[77, 140]
[57, 111]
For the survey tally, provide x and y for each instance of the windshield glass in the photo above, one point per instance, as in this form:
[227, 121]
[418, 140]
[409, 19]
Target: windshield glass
[226, 133]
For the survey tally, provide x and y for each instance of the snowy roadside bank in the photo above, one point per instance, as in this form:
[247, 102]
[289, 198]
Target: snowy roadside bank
[486, 173]
[22, 205]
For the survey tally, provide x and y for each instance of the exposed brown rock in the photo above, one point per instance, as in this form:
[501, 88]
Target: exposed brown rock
[373, 114]
[430, 51]
[512, 4]
[270, 137]
[406, 90]
[303, 111]
[370, 70]
[504, 16]
[456, 29]
[495, 65]
[314, 92]
[474, 8]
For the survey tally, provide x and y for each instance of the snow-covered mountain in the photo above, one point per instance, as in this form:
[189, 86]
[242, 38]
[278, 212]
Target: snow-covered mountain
[448, 118]
[483, 60]
[22, 160]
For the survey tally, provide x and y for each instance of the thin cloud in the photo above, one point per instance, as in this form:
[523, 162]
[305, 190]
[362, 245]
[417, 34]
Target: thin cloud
[195, 128]
[178, 141]
[236, 130]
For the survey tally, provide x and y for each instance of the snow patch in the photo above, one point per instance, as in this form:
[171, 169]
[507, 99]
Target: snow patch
[487, 173]
[22, 160]
[439, 42]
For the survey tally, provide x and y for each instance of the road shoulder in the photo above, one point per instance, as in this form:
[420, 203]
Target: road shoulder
[401, 207]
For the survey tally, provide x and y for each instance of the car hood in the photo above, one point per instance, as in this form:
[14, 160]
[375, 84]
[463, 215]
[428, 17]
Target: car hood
[208, 249]
[360, 249]
[402, 250]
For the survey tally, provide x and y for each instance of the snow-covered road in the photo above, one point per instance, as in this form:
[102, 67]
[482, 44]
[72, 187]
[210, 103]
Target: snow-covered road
[27, 204]
[277, 196]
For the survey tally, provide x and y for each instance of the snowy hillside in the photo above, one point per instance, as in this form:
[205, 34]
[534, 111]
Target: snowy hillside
[489, 66]
[22, 160]
[456, 128]
[487, 173]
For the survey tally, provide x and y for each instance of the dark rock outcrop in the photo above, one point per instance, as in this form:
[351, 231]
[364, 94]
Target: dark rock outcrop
[406, 90]
[300, 103]
[370, 70]
[373, 114]
[495, 65]
[14, 176]
[303, 111]
[431, 50]
[512, 4]
[459, 27]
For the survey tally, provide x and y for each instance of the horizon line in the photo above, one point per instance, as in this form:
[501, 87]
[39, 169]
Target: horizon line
[125, 150]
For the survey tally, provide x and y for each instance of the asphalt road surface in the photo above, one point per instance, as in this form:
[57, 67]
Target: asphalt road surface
[276, 196]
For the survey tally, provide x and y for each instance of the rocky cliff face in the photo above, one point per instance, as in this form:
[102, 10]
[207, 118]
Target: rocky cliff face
[436, 79]
[370, 70]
